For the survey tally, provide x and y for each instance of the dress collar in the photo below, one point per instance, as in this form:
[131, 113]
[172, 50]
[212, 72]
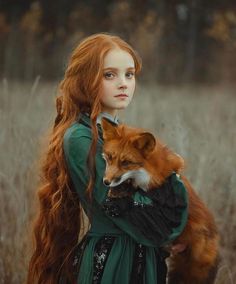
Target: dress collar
[86, 118]
[108, 116]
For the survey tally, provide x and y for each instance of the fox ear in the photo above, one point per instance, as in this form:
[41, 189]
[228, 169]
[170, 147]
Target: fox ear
[144, 142]
[109, 129]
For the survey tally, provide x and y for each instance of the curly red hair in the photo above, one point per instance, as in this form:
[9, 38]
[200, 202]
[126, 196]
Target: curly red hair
[60, 220]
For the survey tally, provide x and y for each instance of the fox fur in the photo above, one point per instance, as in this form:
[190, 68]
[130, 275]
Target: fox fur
[133, 154]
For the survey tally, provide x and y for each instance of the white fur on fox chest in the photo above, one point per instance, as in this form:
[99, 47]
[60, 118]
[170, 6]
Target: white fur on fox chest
[140, 178]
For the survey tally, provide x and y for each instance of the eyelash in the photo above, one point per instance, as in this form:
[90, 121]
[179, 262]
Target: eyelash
[108, 73]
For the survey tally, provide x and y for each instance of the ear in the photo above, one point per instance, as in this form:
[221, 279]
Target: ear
[109, 130]
[144, 142]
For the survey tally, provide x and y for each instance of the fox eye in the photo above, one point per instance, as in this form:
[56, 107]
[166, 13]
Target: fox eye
[125, 163]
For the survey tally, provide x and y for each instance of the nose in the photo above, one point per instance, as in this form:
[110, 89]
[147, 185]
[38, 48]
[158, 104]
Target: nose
[123, 86]
[122, 83]
[106, 182]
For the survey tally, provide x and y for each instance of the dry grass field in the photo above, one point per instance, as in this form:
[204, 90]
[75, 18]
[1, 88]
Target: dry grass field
[198, 122]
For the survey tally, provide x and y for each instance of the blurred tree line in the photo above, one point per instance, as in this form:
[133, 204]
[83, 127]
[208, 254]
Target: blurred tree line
[179, 41]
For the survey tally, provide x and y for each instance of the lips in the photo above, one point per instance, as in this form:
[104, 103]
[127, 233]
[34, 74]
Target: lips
[121, 96]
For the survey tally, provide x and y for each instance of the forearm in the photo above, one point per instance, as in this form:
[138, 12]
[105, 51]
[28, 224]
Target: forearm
[160, 214]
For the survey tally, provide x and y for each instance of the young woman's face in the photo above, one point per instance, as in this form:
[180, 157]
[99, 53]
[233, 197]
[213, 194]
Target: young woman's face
[118, 83]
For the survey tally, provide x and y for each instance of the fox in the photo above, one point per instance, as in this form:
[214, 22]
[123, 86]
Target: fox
[137, 156]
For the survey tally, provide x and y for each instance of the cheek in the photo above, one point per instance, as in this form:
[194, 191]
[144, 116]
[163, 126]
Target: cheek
[132, 89]
[106, 91]
[132, 86]
[105, 87]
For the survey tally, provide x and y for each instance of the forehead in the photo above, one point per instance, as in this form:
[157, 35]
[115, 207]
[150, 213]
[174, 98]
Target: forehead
[118, 58]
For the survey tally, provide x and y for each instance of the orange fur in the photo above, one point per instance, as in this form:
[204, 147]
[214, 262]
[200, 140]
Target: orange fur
[197, 263]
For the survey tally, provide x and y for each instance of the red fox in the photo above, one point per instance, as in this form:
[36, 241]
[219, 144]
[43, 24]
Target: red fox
[133, 154]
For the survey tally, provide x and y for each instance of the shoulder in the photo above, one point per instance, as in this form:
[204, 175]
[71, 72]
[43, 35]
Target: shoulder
[77, 131]
[77, 137]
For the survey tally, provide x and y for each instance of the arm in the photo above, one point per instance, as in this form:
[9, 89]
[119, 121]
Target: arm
[76, 147]
[163, 212]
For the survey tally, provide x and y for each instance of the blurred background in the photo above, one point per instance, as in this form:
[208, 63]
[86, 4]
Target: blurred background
[185, 95]
[184, 41]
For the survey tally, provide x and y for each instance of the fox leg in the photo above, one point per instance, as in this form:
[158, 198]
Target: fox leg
[196, 265]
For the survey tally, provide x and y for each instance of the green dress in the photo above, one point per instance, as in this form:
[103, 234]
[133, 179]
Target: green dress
[125, 241]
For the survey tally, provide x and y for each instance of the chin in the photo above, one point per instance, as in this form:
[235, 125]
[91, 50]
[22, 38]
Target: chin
[123, 106]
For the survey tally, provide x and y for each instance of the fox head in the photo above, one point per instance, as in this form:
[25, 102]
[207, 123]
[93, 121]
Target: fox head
[135, 155]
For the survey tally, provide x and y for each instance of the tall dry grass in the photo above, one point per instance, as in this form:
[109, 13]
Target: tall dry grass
[197, 122]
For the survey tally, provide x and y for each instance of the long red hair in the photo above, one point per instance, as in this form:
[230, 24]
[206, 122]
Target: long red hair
[59, 221]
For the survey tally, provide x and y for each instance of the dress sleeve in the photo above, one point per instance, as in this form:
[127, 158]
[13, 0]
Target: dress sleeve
[160, 214]
[76, 150]
[165, 217]
[143, 210]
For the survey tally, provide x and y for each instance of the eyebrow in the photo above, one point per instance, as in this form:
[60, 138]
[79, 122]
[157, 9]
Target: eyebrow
[115, 69]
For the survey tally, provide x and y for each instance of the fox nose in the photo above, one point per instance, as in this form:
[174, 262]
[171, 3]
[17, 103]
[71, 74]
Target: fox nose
[106, 182]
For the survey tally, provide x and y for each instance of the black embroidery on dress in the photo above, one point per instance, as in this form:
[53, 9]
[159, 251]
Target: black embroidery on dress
[78, 254]
[139, 261]
[101, 253]
[116, 207]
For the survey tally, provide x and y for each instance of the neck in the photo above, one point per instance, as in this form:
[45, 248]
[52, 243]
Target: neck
[112, 115]
[112, 112]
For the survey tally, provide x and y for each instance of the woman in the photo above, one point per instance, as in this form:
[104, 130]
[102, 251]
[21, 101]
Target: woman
[99, 81]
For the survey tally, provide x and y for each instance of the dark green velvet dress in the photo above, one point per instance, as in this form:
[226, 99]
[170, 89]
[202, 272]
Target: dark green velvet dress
[125, 241]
